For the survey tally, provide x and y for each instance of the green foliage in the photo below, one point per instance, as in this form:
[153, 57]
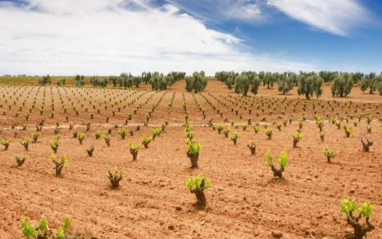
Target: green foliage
[133, 147]
[98, 134]
[328, 76]
[146, 140]
[195, 182]
[286, 82]
[95, 81]
[79, 80]
[63, 158]
[45, 80]
[245, 81]
[28, 229]
[349, 206]
[234, 137]
[330, 153]
[269, 158]
[193, 146]
[309, 84]
[342, 85]
[80, 136]
[122, 132]
[283, 160]
[268, 132]
[348, 130]
[197, 82]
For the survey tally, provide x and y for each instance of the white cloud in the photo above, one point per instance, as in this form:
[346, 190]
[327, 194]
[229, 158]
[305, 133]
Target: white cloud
[335, 16]
[112, 36]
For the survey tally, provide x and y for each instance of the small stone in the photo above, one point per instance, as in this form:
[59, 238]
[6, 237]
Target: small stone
[277, 234]
[178, 208]
[171, 228]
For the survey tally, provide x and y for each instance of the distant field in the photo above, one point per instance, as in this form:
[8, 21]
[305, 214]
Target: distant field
[33, 80]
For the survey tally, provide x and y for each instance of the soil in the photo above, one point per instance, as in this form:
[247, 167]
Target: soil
[244, 200]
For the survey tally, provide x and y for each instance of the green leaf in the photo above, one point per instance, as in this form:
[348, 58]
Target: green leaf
[43, 225]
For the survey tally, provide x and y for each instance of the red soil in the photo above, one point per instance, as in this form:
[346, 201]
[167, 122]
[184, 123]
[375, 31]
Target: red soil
[244, 201]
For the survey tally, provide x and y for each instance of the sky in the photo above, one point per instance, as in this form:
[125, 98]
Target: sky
[108, 37]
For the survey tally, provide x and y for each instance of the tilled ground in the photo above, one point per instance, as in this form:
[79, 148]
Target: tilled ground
[244, 201]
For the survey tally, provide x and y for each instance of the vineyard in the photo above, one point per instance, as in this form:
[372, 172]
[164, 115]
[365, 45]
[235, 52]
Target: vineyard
[206, 162]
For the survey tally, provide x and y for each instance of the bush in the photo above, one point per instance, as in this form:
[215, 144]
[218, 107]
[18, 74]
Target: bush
[25, 142]
[5, 143]
[366, 143]
[114, 177]
[309, 84]
[197, 82]
[234, 137]
[286, 82]
[35, 136]
[349, 207]
[283, 162]
[45, 80]
[330, 154]
[122, 133]
[197, 185]
[98, 134]
[41, 232]
[342, 85]
[219, 128]
[268, 132]
[80, 136]
[146, 141]
[297, 137]
[90, 151]
[54, 143]
[348, 130]
[226, 131]
[58, 165]
[107, 138]
[252, 147]
[134, 149]
[193, 150]
[20, 160]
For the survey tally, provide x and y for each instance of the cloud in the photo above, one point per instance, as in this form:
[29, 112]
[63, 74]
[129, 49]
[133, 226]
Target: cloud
[105, 37]
[335, 16]
[249, 11]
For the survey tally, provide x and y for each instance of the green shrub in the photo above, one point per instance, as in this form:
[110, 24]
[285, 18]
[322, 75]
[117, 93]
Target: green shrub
[193, 150]
[268, 132]
[348, 130]
[349, 208]
[114, 177]
[58, 164]
[25, 142]
[234, 137]
[5, 143]
[197, 185]
[107, 138]
[35, 136]
[146, 141]
[134, 149]
[122, 133]
[80, 136]
[330, 154]
[297, 137]
[283, 163]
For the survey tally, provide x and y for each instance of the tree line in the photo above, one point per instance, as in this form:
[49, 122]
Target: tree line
[308, 84]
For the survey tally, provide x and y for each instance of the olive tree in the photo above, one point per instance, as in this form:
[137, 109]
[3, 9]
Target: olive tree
[286, 82]
[197, 82]
[342, 85]
[369, 81]
[309, 84]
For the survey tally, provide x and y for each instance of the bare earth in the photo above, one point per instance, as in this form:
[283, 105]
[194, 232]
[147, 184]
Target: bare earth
[244, 201]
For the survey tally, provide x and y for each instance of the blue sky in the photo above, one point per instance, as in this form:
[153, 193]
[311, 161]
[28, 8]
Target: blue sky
[105, 37]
